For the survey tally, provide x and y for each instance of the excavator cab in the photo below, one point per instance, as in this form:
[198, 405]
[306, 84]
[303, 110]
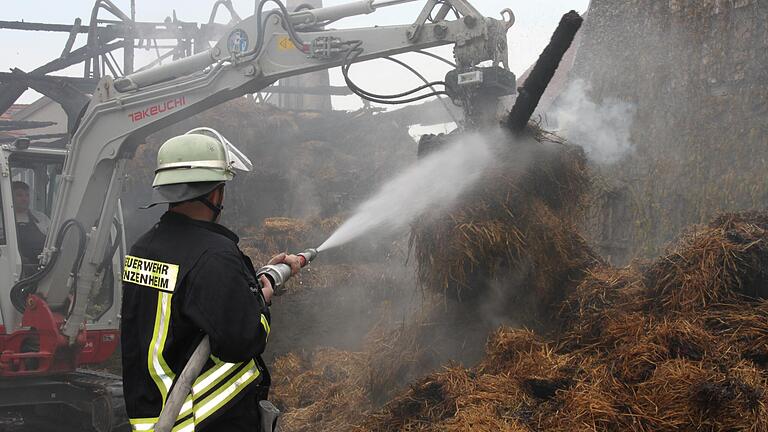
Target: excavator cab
[31, 346]
[30, 177]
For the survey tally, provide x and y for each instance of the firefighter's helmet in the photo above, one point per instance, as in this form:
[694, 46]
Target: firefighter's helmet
[194, 164]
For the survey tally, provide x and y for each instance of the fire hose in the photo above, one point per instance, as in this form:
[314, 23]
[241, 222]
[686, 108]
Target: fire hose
[278, 275]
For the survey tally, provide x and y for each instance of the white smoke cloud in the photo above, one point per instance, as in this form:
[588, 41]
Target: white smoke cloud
[603, 129]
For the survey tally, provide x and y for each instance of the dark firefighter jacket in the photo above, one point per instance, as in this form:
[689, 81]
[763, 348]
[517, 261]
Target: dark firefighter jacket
[181, 280]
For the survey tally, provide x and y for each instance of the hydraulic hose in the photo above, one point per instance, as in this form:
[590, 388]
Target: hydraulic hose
[415, 72]
[23, 288]
[283, 13]
[354, 51]
[113, 247]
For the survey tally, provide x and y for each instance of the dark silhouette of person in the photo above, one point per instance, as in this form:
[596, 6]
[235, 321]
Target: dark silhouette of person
[31, 225]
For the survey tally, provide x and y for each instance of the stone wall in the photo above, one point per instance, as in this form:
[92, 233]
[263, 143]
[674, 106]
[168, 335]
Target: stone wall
[697, 72]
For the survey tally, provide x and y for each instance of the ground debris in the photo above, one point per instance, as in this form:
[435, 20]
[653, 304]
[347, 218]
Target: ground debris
[652, 347]
[636, 349]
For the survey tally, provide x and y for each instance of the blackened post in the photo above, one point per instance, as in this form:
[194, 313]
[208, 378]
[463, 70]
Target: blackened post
[530, 93]
[128, 49]
[13, 125]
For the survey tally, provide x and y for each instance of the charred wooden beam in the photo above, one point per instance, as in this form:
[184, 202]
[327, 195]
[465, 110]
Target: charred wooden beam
[70, 98]
[33, 26]
[12, 125]
[10, 92]
[120, 30]
[6, 140]
[85, 85]
[72, 37]
[530, 93]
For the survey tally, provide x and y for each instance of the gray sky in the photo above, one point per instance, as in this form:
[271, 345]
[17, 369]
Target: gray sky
[535, 23]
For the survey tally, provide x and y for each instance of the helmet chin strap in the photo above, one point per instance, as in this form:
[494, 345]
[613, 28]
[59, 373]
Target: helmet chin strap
[215, 208]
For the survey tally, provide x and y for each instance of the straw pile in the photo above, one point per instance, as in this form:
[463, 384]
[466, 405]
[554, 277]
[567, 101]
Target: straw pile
[319, 390]
[278, 234]
[330, 389]
[394, 353]
[479, 244]
[517, 223]
[678, 344]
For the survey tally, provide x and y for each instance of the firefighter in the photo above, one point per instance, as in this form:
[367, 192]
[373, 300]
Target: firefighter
[186, 278]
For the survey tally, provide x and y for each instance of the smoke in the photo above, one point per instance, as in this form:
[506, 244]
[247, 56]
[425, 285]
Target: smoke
[602, 129]
[434, 183]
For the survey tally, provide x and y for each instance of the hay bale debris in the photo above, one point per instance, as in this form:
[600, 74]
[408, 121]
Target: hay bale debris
[675, 344]
[626, 357]
[518, 221]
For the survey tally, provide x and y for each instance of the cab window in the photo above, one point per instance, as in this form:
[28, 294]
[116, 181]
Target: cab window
[40, 178]
[34, 180]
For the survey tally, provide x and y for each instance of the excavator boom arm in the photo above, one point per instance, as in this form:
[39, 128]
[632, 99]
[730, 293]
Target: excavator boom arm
[257, 52]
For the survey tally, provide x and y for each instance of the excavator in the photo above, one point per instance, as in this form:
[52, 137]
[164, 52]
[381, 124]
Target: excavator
[60, 314]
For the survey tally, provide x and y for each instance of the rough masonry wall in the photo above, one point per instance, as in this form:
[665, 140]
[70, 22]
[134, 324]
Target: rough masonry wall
[697, 71]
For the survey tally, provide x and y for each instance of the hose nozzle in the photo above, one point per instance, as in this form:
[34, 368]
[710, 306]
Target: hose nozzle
[278, 274]
[308, 256]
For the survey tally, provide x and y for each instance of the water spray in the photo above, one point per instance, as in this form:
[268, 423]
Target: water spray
[414, 191]
[278, 274]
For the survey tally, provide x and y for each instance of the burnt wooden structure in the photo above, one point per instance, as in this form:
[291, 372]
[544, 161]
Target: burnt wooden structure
[108, 30]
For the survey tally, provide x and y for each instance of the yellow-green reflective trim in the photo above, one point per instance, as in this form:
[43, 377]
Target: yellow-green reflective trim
[219, 398]
[183, 427]
[212, 377]
[265, 324]
[228, 391]
[167, 302]
[160, 372]
[148, 420]
[186, 407]
[158, 368]
[152, 344]
[143, 424]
